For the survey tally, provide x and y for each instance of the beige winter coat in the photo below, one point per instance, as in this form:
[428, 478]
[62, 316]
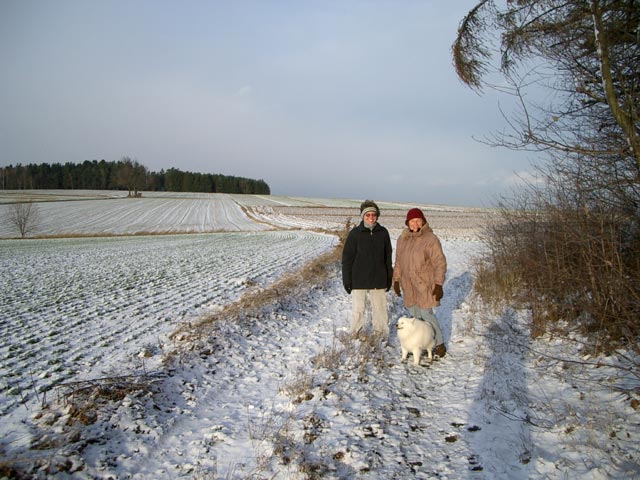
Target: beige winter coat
[420, 265]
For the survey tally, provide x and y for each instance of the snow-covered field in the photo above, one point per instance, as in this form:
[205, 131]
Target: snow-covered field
[282, 392]
[77, 306]
[88, 212]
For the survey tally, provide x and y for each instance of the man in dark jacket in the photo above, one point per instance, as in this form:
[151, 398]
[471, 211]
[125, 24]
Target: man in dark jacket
[367, 270]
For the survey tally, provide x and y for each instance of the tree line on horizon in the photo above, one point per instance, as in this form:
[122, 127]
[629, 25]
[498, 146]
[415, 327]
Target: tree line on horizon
[123, 174]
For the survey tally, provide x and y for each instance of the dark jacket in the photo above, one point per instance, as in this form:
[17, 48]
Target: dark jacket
[366, 259]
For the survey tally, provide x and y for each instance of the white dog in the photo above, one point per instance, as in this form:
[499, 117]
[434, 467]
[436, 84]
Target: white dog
[415, 336]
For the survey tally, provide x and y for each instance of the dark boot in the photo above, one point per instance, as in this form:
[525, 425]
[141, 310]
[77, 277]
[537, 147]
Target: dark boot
[440, 350]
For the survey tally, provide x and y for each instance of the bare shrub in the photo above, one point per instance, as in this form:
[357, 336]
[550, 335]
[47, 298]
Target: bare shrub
[330, 358]
[85, 397]
[565, 262]
[344, 233]
[8, 470]
[353, 352]
[299, 389]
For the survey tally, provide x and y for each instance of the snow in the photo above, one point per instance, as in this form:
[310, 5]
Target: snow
[282, 391]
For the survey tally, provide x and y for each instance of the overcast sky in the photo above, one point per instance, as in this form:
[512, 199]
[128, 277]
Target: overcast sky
[332, 99]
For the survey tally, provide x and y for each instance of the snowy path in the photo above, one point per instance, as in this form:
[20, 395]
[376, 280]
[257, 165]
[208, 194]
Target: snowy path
[225, 408]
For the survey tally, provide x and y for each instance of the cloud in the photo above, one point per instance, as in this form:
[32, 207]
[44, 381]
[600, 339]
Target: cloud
[245, 91]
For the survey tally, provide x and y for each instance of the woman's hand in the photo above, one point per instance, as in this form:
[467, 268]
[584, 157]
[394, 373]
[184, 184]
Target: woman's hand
[437, 291]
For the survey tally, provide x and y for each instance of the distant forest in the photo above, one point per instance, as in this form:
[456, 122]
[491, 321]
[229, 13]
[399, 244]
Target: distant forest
[124, 174]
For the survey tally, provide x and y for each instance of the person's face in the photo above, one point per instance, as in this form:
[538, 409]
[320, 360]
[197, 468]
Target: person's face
[415, 224]
[370, 218]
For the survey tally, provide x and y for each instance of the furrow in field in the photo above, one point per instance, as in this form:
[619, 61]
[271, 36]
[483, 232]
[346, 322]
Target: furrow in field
[84, 308]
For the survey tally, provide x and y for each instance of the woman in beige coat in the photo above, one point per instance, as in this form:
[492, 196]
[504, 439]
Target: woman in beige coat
[419, 272]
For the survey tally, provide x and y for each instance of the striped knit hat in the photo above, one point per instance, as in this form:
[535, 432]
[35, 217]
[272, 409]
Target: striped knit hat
[369, 206]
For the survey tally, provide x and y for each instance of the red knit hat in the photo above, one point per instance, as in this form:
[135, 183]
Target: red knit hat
[414, 213]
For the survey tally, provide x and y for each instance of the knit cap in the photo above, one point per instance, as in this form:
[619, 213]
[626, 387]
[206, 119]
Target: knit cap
[369, 206]
[414, 213]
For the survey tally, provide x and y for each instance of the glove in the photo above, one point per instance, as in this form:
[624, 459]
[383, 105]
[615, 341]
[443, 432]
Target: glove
[396, 288]
[437, 291]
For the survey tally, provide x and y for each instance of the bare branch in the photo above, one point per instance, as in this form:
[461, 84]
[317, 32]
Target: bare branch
[470, 55]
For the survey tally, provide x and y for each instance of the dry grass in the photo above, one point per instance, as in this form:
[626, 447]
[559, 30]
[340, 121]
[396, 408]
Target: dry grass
[84, 402]
[567, 264]
[299, 389]
[84, 398]
[332, 356]
[11, 470]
